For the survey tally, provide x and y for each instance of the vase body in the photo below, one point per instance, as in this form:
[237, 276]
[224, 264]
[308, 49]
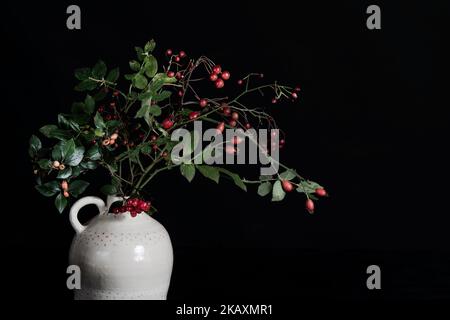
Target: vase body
[120, 257]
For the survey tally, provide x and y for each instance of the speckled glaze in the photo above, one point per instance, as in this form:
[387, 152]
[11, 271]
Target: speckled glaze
[120, 257]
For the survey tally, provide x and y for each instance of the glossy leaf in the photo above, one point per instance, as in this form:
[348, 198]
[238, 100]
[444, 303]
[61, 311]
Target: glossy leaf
[60, 202]
[188, 171]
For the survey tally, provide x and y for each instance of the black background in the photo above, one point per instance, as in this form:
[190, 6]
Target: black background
[370, 125]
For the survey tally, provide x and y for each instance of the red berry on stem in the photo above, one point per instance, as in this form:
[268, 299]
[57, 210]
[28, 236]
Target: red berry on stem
[217, 69]
[182, 54]
[297, 88]
[220, 127]
[167, 123]
[203, 103]
[169, 52]
[153, 137]
[194, 115]
[170, 74]
[115, 93]
[226, 110]
[240, 82]
[294, 95]
[310, 206]
[226, 75]
[178, 75]
[219, 83]
[274, 100]
[235, 116]
[232, 123]
[180, 93]
[282, 141]
[287, 185]
[213, 77]
[321, 192]
[248, 125]
[177, 58]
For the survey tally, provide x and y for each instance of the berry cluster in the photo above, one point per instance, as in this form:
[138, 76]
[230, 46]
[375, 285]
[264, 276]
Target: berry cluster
[218, 76]
[134, 206]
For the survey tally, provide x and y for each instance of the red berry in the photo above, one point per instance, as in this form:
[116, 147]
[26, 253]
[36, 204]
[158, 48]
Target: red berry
[294, 95]
[310, 206]
[297, 88]
[108, 117]
[169, 52]
[170, 74]
[153, 137]
[128, 208]
[235, 116]
[115, 93]
[217, 69]
[321, 192]
[274, 100]
[177, 58]
[179, 76]
[220, 127]
[116, 210]
[133, 213]
[232, 123]
[240, 82]
[194, 115]
[248, 125]
[182, 54]
[219, 83]
[167, 123]
[144, 206]
[226, 110]
[180, 93]
[287, 185]
[213, 77]
[155, 147]
[226, 75]
[282, 141]
[203, 103]
[101, 109]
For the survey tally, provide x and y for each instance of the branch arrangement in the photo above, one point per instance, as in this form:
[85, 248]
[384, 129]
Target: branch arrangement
[127, 133]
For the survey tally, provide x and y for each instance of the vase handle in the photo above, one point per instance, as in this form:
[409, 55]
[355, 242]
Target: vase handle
[73, 216]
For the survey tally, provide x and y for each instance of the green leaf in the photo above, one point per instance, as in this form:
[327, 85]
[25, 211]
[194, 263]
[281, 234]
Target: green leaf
[139, 81]
[264, 188]
[99, 70]
[209, 172]
[86, 85]
[113, 75]
[60, 202]
[77, 187]
[75, 158]
[129, 76]
[108, 189]
[93, 153]
[143, 111]
[52, 131]
[48, 189]
[100, 95]
[78, 107]
[35, 146]
[188, 171]
[68, 148]
[140, 53]
[155, 110]
[235, 177]
[307, 186]
[162, 96]
[150, 66]
[64, 174]
[89, 104]
[277, 191]
[150, 46]
[89, 165]
[99, 122]
[134, 65]
[45, 164]
[76, 171]
[64, 122]
[82, 73]
[288, 175]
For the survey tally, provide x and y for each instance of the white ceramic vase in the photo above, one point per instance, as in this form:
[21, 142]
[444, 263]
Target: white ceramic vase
[120, 257]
